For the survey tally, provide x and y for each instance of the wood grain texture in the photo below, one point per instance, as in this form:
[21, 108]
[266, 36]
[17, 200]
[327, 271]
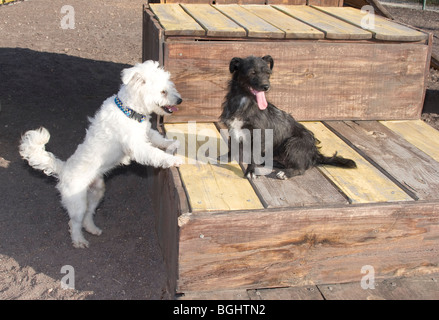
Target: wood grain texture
[210, 186]
[332, 27]
[213, 21]
[301, 293]
[381, 28]
[311, 80]
[417, 133]
[304, 246]
[293, 28]
[176, 21]
[417, 288]
[255, 26]
[312, 188]
[365, 184]
[412, 168]
[152, 37]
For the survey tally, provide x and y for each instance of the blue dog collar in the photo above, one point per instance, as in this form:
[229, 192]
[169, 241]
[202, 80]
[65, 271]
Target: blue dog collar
[130, 113]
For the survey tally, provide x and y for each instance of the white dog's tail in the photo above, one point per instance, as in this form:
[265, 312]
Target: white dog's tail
[32, 148]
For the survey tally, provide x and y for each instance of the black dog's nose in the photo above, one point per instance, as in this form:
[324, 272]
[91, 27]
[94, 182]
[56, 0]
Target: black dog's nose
[265, 87]
[179, 101]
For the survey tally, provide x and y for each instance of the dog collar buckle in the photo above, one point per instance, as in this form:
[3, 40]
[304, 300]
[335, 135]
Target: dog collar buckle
[136, 116]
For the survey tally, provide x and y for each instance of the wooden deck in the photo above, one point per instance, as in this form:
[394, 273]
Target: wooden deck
[321, 227]
[413, 288]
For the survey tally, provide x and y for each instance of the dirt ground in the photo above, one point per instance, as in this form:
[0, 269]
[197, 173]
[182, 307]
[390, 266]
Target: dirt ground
[56, 77]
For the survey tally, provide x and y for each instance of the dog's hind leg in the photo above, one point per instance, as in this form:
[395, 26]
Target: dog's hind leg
[95, 193]
[76, 205]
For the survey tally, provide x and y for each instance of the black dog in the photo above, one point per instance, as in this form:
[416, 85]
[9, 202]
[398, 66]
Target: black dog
[294, 147]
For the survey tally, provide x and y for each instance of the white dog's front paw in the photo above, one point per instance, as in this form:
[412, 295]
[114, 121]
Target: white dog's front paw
[173, 161]
[172, 146]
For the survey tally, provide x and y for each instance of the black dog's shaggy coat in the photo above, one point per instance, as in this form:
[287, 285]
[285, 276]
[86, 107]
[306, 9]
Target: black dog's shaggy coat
[294, 147]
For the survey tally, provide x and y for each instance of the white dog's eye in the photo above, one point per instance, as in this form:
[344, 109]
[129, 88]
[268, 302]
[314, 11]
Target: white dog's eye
[164, 92]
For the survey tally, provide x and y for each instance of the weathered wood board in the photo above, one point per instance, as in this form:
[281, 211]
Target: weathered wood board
[211, 186]
[365, 184]
[332, 27]
[303, 246]
[292, 28]
[417, 133]
[395, 155]
[175, 21]
[213, 21]
[381, 28]
[311, 80]
[253, 25]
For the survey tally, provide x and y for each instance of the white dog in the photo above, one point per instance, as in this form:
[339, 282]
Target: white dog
[119, 132]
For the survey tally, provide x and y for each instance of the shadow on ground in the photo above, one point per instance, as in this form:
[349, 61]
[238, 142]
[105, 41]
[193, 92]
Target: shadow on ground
[59, 92]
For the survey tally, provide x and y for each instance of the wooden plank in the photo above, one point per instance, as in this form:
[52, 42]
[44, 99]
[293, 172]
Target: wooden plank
[363, 184]
[213, 21]
[255, 26]
[332, 27]
[300, 293]
[176, 21]
[311, 80]
[303, 246]
[292, 28]
[382, 28]
[240, 294]
[413, 288]
[412, 168]
[418, 133]
[152, 37]
[312, 188]
[210, 186]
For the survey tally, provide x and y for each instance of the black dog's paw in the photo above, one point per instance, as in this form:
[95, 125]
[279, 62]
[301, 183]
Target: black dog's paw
[281, 175]
[250, 172]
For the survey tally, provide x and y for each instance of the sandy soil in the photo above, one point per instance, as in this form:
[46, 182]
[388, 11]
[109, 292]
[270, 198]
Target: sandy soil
[56, 78]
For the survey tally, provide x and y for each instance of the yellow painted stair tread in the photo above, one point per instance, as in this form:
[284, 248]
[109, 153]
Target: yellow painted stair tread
[333, 28]
[293, 28]
[418, 133]
[365, 184]
[211, 186]
[382, 28]
[255, 26]
[215, 23]
[175, 20]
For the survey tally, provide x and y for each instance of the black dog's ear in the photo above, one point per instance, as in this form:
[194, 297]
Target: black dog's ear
[234, 64]
[269, 60]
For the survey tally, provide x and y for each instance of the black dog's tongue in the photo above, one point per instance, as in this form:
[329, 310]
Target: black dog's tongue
[260, 98]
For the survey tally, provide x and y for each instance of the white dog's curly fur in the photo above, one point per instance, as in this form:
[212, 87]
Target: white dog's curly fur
[111, 139]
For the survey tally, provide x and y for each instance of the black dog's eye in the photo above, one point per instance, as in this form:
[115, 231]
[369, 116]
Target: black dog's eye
[164, 92]
[252, 72]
